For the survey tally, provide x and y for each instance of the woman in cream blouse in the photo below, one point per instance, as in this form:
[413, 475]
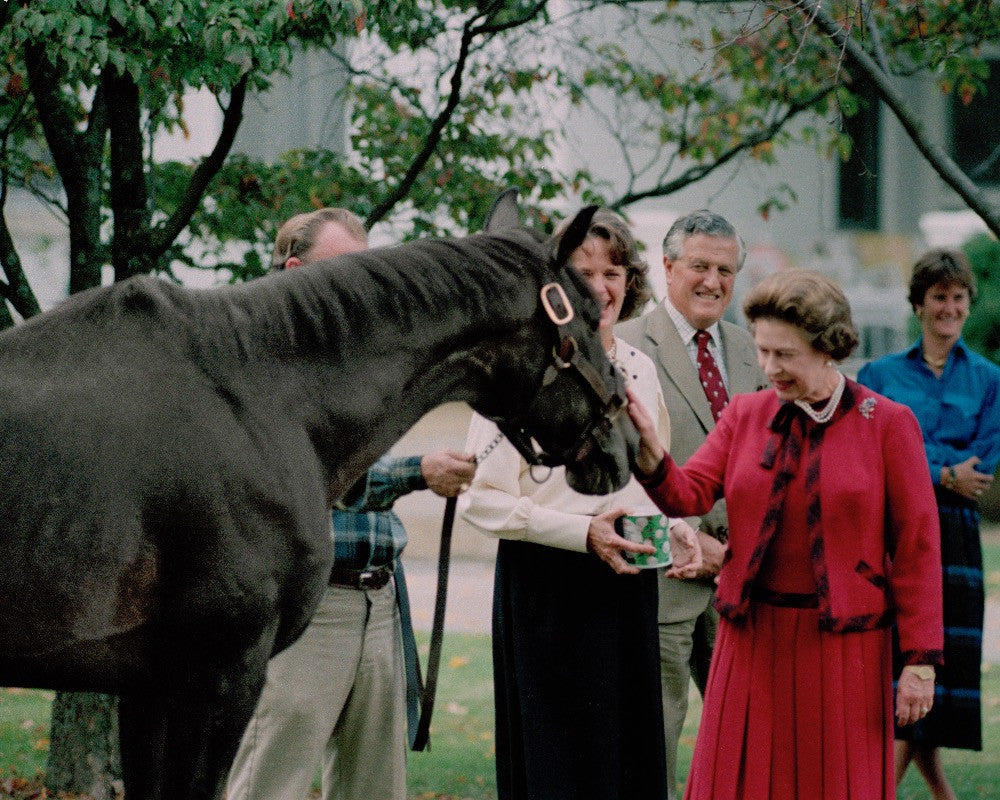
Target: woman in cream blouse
[575, 652]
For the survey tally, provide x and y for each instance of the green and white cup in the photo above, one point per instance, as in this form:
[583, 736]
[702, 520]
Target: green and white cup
[648, 530]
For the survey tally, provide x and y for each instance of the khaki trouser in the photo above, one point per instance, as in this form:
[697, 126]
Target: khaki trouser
[334, 699]
[680, 642]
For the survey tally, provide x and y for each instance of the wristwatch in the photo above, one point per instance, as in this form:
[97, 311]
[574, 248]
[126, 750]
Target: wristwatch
[923, 671]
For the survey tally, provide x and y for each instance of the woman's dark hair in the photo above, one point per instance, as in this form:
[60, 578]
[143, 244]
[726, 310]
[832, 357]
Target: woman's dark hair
[812, 303]
[940, 266]
[624, 252]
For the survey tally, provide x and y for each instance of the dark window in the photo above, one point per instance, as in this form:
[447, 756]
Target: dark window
[859, 178]
[975, 131]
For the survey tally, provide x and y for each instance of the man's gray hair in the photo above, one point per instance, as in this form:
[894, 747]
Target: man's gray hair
[705, 222]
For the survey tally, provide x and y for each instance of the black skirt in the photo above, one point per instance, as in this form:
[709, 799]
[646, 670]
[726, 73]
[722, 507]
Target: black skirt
[956, 718]
[576, 678]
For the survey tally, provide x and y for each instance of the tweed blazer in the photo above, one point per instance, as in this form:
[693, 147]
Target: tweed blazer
[876, 556]
[691, 420]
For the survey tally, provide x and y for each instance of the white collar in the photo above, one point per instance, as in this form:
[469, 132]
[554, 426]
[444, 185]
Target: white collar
[686, 330]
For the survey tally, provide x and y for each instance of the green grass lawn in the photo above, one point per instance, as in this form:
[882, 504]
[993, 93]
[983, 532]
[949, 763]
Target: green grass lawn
[460, 765]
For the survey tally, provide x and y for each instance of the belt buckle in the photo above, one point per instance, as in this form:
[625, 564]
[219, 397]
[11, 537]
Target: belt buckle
[363, 577]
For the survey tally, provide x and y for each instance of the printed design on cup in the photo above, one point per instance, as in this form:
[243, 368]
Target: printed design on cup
[648, 530]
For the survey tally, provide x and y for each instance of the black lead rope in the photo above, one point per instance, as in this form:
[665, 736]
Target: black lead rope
[422, 739]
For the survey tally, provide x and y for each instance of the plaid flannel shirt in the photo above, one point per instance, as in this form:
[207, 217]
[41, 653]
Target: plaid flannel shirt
[366, 532]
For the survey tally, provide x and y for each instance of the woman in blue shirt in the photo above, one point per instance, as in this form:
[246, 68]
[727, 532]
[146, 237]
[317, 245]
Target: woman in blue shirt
[955, 395]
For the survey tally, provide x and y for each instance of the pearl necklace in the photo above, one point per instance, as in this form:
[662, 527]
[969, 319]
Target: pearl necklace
[826, 414]
[613, 358]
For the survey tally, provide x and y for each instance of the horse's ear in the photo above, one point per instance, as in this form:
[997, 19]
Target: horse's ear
[504, 213]
[574, 234]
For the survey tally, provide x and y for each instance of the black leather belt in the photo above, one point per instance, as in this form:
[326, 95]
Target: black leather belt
[762, 594]
[374, 578]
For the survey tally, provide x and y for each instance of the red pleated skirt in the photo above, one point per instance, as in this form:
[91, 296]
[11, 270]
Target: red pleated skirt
[792, 712]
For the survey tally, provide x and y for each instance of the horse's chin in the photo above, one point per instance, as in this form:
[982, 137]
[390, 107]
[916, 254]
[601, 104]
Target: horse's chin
[610, 468]
[595, 481]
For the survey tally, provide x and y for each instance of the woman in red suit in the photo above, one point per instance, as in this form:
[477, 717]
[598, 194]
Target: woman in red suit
[833, 535]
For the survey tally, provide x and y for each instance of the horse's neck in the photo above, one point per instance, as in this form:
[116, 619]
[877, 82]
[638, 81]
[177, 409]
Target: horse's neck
[362, 348]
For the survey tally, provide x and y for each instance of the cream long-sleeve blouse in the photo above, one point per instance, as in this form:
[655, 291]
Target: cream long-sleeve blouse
[505, 501]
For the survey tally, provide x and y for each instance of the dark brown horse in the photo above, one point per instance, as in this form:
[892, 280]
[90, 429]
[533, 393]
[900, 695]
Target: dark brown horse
[167, 457]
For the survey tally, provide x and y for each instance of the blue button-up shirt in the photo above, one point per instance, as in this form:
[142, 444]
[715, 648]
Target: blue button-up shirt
[959, 413]
[366, 532]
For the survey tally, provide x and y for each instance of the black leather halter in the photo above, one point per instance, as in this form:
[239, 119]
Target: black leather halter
[566, 355]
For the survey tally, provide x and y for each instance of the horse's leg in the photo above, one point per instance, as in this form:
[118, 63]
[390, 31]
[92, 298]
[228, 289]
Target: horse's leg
[142, 730]
[180, 745]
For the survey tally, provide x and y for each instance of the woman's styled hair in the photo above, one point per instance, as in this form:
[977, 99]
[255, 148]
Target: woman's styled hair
[940, 266]
[812, 303]
[624, 252]
[297, 236]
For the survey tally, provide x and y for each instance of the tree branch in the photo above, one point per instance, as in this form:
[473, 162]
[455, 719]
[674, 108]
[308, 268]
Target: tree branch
[402, 188]
[876, 36]
[165, 234]
[16, 290]
[57, 123]
[698, 171]
[469, 33]
[79, 166]
[92, 140]
[936, 156]
[129, 194]
[492, 30]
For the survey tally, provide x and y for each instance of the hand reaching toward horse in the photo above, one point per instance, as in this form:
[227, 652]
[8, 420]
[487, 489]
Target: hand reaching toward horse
[448, 472]
[651, 451]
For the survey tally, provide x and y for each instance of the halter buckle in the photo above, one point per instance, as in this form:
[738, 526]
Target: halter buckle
[559, 308]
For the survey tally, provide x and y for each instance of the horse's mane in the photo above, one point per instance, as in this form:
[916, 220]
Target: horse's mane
[417, 292]
[330, 305]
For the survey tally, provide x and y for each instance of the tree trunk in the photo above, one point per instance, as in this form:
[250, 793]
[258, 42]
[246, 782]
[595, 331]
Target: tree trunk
[84, 754]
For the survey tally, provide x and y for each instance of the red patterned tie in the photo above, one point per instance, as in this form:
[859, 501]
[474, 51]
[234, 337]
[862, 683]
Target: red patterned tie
[709, 375]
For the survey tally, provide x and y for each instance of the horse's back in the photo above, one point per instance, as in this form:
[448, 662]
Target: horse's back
[137, 495]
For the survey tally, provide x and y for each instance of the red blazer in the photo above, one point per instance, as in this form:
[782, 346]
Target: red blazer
[879, 531]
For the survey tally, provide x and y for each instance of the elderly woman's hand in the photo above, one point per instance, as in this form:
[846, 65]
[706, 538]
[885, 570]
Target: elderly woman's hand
[650, 450]
[914, 697]
[685, 546]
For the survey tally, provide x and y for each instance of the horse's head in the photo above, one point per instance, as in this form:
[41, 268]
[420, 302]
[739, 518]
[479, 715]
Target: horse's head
[572, 411]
